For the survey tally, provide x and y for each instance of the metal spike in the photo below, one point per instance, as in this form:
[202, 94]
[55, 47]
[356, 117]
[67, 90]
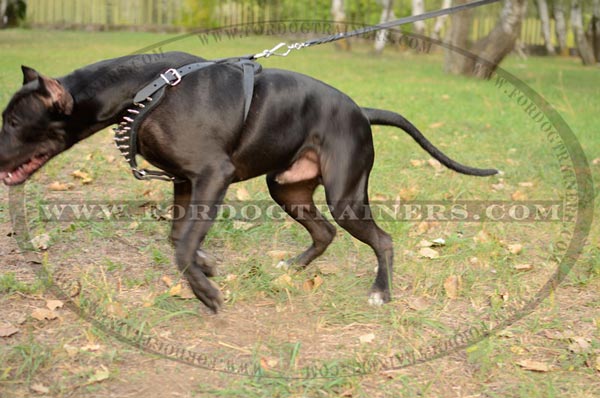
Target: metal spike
[126, 128]
[133, 111]
[123, 146]
[128, 119]
[125, 154]
[141, 105]
[123, 123]
[148, 98]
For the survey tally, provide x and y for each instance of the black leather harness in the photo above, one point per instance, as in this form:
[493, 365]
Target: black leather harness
[149, 97]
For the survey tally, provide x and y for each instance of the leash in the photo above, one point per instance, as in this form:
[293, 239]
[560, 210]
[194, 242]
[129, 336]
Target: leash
[370, 29]
[150, 95]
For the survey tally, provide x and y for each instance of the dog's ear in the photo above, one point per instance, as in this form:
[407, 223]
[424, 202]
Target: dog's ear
[29, 74]
[60, 98]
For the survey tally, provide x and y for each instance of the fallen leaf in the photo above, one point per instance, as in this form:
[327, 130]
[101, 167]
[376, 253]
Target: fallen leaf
[580, 345]
[535, 366]
[452, 286]
[278, 254]
[71, 350]
[526, 184]
[518, 196]
[283, 281]
[436, 125]
[482, 237]
[242, 225]
[39, 388]
[99, 375]
[167, 280]
[367, 338]
[41, 242]
[116, 309]
[416, 162]
[516, 248]
[91, 347]
[60, 186]
[54, 304]
[268, 363]
[408, 194]
[242, 194]
[312, 284]
[498, 187]
[438, 242]
[7, 330]
[437, 166]
[429, 253]
[378, 198]
[419, 304]
[42, 313]
[83, 176]
[523, 267]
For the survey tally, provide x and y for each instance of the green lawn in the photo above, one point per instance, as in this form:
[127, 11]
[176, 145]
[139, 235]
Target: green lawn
[286, 323]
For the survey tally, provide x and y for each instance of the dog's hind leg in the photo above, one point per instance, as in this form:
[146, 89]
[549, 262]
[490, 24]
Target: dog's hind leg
[297, 201]
[345, 177]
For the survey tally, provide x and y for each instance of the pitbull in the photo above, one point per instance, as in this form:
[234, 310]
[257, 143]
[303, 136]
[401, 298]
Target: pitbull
[299, 132]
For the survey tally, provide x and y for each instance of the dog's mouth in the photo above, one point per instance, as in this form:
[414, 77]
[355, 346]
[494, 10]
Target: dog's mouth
[21, 173]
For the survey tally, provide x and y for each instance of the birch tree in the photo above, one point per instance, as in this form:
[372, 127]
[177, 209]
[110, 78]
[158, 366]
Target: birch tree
[583, 47]
[387, 14]
[339, 17]
[545, 19]
[561, 26]
[418, 7]
[439, 21]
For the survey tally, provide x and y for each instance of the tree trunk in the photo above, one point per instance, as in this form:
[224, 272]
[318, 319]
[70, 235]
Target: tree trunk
[3, 5]
[583, 47]
[561, 26]
[339, 17]
[594, 29]
[458, 37]
[439, 21]
[545, 19]
[387, 14]
[492, 49]
[418, 7]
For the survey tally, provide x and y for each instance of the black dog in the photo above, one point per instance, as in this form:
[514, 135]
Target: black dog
[299, 131]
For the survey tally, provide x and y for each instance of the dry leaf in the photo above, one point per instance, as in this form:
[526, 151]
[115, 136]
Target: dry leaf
[518, 196]
[378, 197]
[268, 363]
[83, 176]
[596, 161]
[242, 194]
[242, 225]
[99, 375]
[175, 290]
[437, 166]
[39, 388]
[41, 242]
[535, 366]
[429, 253]
[283, 281]
[516, 248]
[60, 186]
[580, 345]
[498, 187]
[91, 347]
[419, 304]
[116, 309]
[408, 194]
[526, 184]
[438, 242]
[523, 267]
[71, 350]
[42, 313]
[167, 280]
[7, 330]
[54, 304]
[436, 125]
[367, 338]
[452, 286]
[416, 162]
[482, 237]
[312, 284]
[278, 254]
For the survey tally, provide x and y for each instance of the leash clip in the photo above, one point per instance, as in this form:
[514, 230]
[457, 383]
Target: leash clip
[176, 77]
[268, 53]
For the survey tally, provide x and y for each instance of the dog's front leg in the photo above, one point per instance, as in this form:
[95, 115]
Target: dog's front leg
[207, 191]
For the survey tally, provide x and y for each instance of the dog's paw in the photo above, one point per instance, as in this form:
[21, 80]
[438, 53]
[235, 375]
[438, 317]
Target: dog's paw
[206, 263]
[377, 299]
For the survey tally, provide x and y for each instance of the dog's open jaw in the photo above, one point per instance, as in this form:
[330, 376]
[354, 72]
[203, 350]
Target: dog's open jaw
[21, 173]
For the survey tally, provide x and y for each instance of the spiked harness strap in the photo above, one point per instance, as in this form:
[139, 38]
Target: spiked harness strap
[149, 97]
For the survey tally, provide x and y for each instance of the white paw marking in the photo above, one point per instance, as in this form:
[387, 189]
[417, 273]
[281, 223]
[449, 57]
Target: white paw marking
[376, 299]
[283, 265]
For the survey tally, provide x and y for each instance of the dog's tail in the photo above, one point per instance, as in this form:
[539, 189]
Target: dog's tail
[388, 118]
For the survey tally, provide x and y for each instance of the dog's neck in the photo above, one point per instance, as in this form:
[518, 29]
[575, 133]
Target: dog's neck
[103, 91]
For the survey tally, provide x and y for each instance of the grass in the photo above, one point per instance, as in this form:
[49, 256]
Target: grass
[274, 318]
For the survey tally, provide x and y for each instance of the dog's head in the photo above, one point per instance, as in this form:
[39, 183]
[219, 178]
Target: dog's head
[33, 126]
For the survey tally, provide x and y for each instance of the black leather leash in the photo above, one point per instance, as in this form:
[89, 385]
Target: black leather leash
[151, 94]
